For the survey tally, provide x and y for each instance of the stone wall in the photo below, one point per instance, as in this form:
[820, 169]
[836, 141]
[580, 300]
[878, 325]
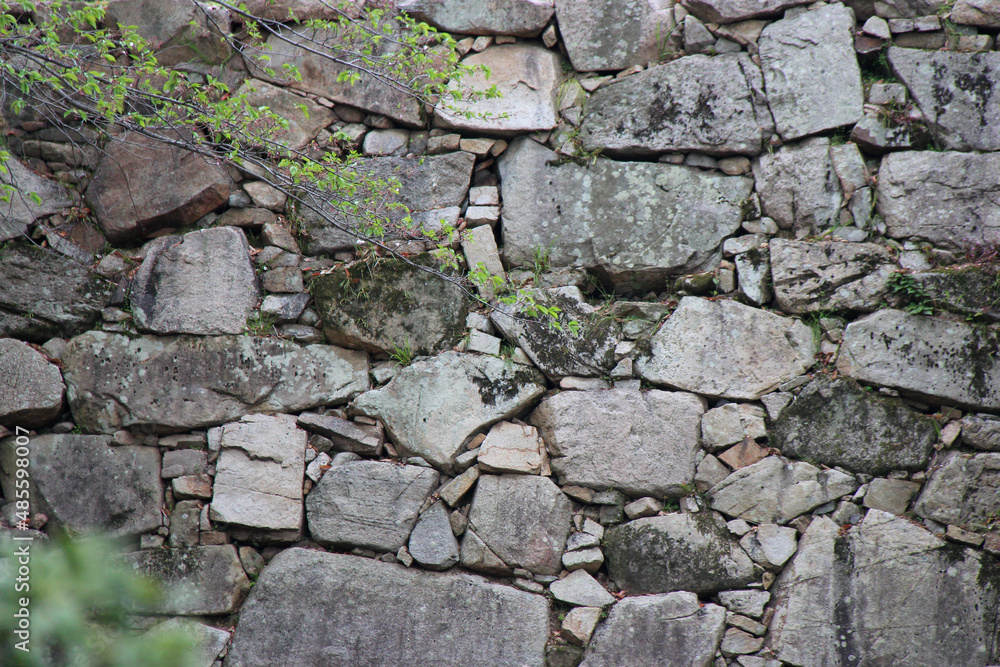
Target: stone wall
[775, 439]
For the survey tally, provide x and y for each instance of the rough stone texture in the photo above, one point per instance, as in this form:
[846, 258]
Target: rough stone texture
[642, 443]
[676, 552]
[521, 18]
[208, 640]
[830, 275]
[31, 389]
[883, 590]
[632, 223]
[798, 186]
[579, 588]
[776, 490]
[981, 432]
[713, 105]
[770, 545]
[369, 504]
[515, 448]
[451, 620]
[614, 35]
[956, 93]
[176, 384]
[746, 602]
[434, 406]
[387, 304]
[303, 126]
[259, 478]
[892, 9]
[947, 198]
[890, 495]
[345, 436]
[646, 631]
[199, 283]
[837, 423]
[21, 211]
[143, 185]
[196, 581]
[981, 13]
[971, 290]
[527, 77]
[560, 353]
[523, 519]
[432, 542]
[177, 32]
[962, 489]
[44, 295]
[702, 348]
[811, 72]
[950, 361]
[84, 484]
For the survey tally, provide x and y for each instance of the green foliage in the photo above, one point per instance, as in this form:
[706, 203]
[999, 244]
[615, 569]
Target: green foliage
[918, 302]
[402, 354]
[260, 325]
[540, 260]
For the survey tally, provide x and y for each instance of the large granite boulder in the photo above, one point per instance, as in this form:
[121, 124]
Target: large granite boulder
[837, 423]
[798, 186]
[199, 283]
[956, 93]
[43, 294]
[953, 362]
[963, 489]
[632, 223]
[196, 581]
[714, 105]
[730, 11]
[433, 407]
[602, 35]
[176, 31]
[884, 592]
[946, 198]
[521, 18]
[644, 443]
[811, 71]
[31, 389]
[676, 552]
[390, 303]
[175, 384]
[143, 185]
[20, 211]
[303, 123]
[702, 348]
[527, 76]
[84, 484]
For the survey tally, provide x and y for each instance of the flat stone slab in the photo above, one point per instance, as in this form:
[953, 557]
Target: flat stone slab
[632, 223]
[878, 592]
[451, 620]
[369, 504]
[837, 423]
[798, 186]
[664, 108]
[642, 631]
[602, 36]
[196, 581]
[176, 384]
[676, 552]
[22, 211]
[303, 123]
[639, 442]
[432, 542]
[86, 485]
[702, 348]
[811, 71]
[521, 18]
[31, 388]
[433, 407]
[946, 198]
[962, 489]
[948, 361]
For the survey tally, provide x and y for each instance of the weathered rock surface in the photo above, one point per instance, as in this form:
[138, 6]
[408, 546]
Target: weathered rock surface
[345, 436]
[962, 489]
[829, 275]
[44, 295]
[31, 389]
[199, 283]
[877, 593]
[176, 32]
[521, 18]
[177, 384]
[644, 631]
[259, 480]
[730, 11]
[21, 211]
[527, 77]
[701, 348]
[971, 290]
[632, 223]
[432, 542]
[892, 9]
[440, 619]
[981, 13]
[713, 105]
[676, 552]
[950, 361]
[775, 490]
[946, 198]
[370, 504]
[303, 125]
[981, 432]
[956, 93]
[523, 519]
[798, 186]
[581, 589]
[515, 448]
[84, 484]
[837, 423]
[811, 71]
[388, 304]
[434, 406]
[143, 185]
[196, 581]
[612, 35]
[642, 443]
